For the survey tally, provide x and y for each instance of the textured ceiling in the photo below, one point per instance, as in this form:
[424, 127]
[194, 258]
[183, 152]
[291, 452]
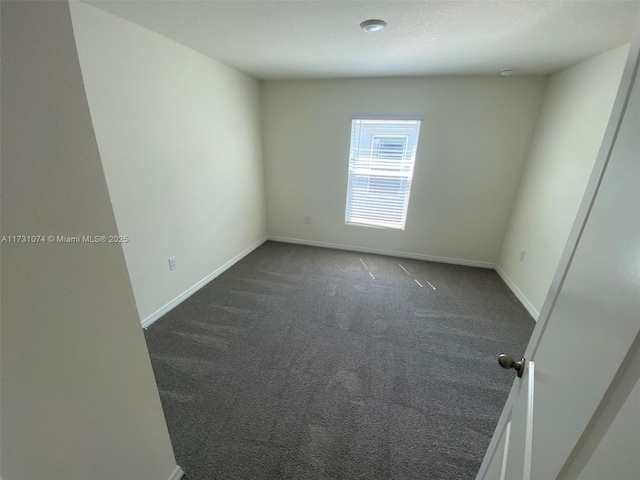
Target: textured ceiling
[322, 38]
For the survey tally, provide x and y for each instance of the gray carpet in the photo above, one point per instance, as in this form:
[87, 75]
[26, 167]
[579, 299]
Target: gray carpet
[309, 363]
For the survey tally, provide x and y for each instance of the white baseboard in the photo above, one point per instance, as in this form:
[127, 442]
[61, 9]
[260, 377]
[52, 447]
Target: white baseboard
[516, 291]
[176, 475]
[193, 289]
[415, 256]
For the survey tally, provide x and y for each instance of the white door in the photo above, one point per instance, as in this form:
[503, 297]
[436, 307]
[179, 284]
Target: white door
[575, 412]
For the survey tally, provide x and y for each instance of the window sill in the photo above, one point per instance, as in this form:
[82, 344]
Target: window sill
[368, 225]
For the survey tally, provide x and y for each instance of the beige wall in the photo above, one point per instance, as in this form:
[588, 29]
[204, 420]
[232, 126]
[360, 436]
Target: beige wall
[78, 394]
[180, 139]
[615, 454]
[475, 136]
[576, 109]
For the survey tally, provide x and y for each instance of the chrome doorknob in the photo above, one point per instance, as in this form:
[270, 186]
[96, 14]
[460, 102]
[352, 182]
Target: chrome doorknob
[507, 362]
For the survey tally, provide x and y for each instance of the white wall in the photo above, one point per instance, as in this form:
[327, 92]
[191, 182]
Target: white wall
[180, 140]
[78, 394]
[576, 109]
[475, 136]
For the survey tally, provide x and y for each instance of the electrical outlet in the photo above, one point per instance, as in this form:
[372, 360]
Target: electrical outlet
[172, 263]
[522, 254]
[307, 220]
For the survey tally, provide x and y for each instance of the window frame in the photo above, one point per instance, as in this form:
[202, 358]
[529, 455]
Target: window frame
[407, 176]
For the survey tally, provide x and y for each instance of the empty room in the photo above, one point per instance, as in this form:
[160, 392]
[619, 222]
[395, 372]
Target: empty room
[249, 239]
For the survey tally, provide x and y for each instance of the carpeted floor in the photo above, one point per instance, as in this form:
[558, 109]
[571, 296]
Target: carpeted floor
[309, 363]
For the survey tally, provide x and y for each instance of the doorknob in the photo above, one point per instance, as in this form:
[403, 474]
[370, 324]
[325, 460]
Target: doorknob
[507, 362]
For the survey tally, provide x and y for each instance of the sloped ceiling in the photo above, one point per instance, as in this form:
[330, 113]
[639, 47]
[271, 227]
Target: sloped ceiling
[322, 38]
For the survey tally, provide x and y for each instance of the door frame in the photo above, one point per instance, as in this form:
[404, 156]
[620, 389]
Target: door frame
[602, 160]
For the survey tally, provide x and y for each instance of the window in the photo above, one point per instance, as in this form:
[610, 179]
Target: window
[381, 161]
[389, 147]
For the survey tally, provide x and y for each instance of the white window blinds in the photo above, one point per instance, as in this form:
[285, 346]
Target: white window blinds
[381, 161]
